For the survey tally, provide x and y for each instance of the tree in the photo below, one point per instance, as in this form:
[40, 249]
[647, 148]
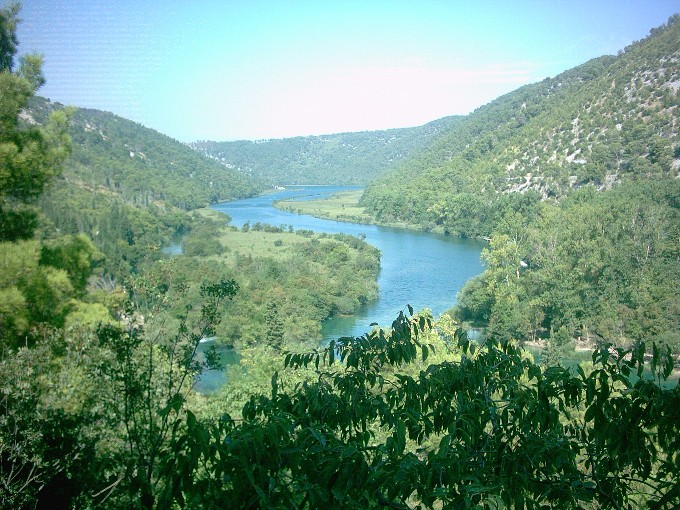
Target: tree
[29, 156]
[152, 370]
[41, 442]
[76, 254]
[8, 36]
[490, 430]
[274, 324]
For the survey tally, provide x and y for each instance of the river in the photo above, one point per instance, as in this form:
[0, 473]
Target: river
[420, 269]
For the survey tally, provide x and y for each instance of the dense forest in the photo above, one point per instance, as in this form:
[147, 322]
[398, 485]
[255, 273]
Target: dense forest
[602, 267]
[100, 328]
[128, 187]
[110, 154]
[344, 158]
[288, 281]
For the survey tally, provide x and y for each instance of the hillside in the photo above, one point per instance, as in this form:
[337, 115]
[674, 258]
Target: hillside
[612, 119]
[127, 186]
[100, 353]
[115, 155]
[345, 158]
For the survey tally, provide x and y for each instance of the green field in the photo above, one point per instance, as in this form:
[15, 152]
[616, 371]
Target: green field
[343, 206]
[275, 245]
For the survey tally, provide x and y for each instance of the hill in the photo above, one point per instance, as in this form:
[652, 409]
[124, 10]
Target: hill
[345, 158]
[97, 402]
[574, 180]
[119, 156]
[612, 119]
[127, 186]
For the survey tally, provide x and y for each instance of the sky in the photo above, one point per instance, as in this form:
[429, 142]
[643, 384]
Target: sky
[257, 69]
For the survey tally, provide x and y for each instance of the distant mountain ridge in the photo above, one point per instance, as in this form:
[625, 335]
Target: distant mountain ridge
[344, 158]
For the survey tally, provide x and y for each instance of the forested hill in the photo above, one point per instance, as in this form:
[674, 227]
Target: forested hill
[126, 186]
[611, 119]
[114, 155]
[345, 158]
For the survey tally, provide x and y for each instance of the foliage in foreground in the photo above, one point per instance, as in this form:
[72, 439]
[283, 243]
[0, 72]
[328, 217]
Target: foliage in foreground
[487, 428]
[493, 430]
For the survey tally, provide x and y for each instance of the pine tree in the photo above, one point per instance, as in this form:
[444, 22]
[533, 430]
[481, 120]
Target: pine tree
[274, 337]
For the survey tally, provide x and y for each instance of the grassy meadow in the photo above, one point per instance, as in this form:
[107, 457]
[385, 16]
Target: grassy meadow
[343, 206]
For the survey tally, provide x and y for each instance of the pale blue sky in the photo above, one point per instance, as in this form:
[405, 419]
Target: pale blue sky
[226, 70]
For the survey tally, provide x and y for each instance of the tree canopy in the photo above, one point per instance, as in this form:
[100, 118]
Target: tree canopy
[29, 156]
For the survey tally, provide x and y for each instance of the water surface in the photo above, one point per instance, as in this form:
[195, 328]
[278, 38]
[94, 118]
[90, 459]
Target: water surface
[420, 269]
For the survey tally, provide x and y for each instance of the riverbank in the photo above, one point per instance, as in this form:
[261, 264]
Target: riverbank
[423, 269]
[344, 207]
[579, 351]
[582, 351]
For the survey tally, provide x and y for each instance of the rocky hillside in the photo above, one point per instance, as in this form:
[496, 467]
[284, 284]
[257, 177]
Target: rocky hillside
[345, 158]
[611, 119]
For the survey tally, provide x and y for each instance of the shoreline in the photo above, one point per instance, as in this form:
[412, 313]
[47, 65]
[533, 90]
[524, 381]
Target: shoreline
[334, 208]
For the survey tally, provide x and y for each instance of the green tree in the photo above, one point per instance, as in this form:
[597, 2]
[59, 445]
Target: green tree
[76, 254]
[8, 36]
[29, 156]
[274, 324]
[35, 294]
[474, 302]
[152, 370]
[492, 429]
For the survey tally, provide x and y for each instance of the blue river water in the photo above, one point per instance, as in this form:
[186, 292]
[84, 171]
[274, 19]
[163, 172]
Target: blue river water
[420, 269]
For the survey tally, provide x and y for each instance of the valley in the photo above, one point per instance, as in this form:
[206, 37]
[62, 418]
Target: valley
[424, 270]
[342, 276]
